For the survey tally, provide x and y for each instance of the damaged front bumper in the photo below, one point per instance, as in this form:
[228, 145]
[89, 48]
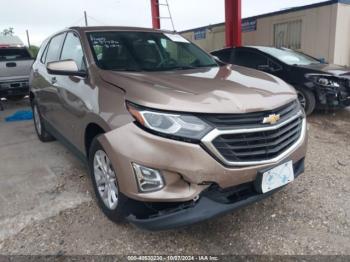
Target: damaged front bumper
[334, 97]
[212, 202]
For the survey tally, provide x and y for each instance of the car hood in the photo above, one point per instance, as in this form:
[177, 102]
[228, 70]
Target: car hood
[227, 89]
[335, 70]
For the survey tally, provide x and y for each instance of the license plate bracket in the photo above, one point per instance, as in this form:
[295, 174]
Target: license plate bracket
[273, 178]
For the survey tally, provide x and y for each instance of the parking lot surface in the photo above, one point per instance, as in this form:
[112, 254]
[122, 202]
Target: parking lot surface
[47, 206]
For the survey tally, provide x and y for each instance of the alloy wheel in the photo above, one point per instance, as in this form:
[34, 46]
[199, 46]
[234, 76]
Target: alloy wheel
[302, 99]
[106, 181]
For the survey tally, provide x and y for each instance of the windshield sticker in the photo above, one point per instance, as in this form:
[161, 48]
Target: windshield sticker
[177, 38]
[102, 41]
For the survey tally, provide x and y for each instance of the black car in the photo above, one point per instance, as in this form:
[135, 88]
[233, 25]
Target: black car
[319, 85]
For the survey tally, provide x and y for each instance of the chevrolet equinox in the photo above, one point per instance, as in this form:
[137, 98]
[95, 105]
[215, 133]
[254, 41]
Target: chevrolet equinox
[171, 136]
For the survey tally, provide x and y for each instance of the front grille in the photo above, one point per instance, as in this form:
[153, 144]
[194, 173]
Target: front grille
[258, 146]
[250, 120]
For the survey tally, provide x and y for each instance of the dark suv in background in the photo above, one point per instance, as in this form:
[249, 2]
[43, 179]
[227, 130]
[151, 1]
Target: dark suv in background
[319, 85]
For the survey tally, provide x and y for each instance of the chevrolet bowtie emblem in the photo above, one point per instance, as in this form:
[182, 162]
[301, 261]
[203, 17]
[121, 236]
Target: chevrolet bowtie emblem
[271, 119]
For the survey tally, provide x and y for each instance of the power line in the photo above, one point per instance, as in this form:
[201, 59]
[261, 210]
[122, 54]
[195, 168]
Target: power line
[96, 20]
[77, 22]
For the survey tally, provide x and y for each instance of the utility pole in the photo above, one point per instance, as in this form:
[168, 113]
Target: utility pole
[233, 23]
[27, 32]
[155, 14]
[85, 16]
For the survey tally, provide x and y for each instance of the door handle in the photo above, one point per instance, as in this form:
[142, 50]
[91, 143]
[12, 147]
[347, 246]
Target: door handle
[11, 64]
[53, 80]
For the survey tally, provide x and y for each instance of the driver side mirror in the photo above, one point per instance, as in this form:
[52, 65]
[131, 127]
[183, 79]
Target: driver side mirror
[65, 67]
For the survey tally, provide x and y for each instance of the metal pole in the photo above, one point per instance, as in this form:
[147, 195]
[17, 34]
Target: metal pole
[233, 24]
[155, 14]
[85, 17]
[171, 18]
[28, 38]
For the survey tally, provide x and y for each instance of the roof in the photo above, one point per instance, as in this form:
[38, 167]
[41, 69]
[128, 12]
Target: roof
[10, 40]
[286, 11]
[115, 28]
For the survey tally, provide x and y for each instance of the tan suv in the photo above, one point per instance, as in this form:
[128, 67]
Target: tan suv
[171, 136]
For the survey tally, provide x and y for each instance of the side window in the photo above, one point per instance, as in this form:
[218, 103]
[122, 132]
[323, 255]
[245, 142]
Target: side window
[72, 50]
[53, 52]
[224, 55]
[249, 59]
[44, 53]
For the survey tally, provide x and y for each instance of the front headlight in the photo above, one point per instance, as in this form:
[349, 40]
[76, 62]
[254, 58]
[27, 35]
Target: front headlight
[184, 126]
[324, 80]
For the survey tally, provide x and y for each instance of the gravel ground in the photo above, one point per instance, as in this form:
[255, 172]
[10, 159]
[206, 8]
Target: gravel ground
[310, 216]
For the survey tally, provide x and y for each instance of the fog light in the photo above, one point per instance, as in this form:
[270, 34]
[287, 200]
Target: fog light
[148, 179]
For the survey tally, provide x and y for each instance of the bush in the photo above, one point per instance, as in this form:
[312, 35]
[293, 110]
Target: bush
[33, 50]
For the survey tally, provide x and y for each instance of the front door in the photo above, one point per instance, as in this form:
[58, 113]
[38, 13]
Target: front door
[71, 91]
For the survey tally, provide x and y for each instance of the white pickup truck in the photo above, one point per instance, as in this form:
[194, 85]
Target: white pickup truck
[15, 65]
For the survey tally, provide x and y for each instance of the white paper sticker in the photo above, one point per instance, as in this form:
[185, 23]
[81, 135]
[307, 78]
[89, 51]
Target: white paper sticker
[176, 38]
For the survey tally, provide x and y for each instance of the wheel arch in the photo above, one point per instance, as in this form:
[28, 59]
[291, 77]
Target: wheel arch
[91, 131]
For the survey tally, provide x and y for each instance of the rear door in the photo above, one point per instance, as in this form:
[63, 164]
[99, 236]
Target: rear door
[47, 94]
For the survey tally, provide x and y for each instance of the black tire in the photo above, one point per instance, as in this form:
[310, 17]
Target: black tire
[15, 98]
[121, 210]
[307, 100]
[43, 134]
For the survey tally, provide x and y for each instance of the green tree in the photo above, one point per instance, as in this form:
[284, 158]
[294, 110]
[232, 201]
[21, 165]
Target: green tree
[8, 31]
[33, 50]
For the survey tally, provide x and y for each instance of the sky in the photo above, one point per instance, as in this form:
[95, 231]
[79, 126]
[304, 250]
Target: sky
[44, 17]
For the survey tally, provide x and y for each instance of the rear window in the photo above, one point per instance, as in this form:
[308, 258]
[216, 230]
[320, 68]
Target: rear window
[14, 54]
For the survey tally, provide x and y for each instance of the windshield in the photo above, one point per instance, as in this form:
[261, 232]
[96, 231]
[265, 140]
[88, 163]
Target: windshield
[289, 57]
[146, 51]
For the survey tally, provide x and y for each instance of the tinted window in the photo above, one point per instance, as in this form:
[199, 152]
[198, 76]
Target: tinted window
[53, 52]
[223, 55]
[248, 59]
[72, 50]
[289, 57]
[13, 54]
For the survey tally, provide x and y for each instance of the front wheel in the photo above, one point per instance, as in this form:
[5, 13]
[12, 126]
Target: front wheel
[105, 182]
[307, 100]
